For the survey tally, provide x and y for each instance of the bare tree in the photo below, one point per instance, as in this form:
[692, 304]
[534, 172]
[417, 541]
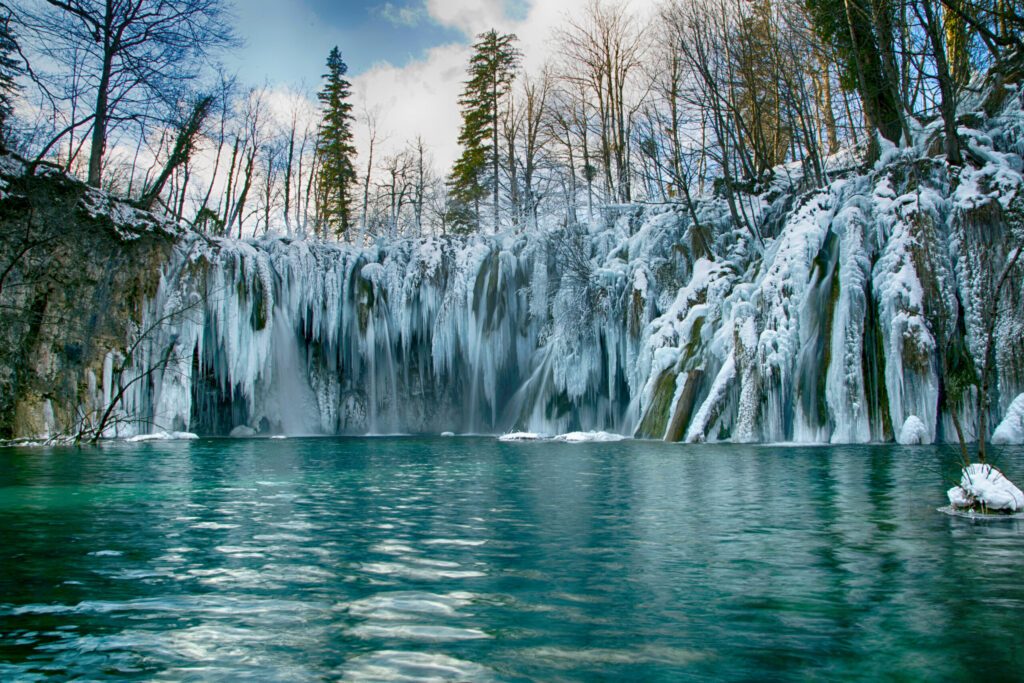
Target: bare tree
[130, 52]
[423, 180]
[184, 146]
[603, 51]
[535, 94]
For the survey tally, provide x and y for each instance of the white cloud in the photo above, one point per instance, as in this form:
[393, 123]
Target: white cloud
[401, 15]
[420, 98]
[469, 16]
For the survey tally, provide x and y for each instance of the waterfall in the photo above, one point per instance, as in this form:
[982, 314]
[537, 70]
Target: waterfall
[822, 328]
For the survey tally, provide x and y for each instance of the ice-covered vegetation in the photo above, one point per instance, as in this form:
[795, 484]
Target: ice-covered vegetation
[834, 328]
[697, 235]
[983, 488]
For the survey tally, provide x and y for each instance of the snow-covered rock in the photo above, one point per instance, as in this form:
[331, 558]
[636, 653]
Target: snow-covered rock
[913, 433]
[163, 436]
[520, 436]
[983, 486]
[589, 437]
[1011, 429]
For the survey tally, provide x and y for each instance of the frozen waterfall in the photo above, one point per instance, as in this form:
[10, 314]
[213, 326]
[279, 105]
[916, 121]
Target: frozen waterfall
[826, 324]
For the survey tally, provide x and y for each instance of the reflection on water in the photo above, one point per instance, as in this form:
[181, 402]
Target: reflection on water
[469, 559]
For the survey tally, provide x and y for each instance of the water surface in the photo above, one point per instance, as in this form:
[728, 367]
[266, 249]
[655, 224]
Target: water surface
[469, 559]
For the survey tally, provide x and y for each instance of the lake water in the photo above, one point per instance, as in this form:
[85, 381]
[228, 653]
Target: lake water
[469, 559]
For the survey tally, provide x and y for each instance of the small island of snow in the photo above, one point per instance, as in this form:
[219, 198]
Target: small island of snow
[520, 436]
[586, 437]
[163, 436]
[984, 488]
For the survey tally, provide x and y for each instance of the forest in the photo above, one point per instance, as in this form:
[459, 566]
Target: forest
[666, 106]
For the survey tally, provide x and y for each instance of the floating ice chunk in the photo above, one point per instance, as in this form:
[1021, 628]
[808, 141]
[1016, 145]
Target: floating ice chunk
[985, 486]
[447, 433]
[913, 433]
[163, 436]
[521, 436]
[584, 437]
[279, 437]
[1011, 429]
[242, 432]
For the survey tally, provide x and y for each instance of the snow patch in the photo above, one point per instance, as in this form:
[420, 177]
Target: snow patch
[589, 437]
[984, 486]
[162, 436]
[913, 433]
[521, 436]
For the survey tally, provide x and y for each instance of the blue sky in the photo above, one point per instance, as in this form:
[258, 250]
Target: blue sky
[288, 42]
[407, 58]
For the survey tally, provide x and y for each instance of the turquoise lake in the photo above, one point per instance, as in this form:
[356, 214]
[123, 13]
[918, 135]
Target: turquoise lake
[472, 560]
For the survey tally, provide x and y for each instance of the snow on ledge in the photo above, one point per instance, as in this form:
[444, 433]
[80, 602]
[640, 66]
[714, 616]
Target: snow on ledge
[983, 486]
[1011, 430]
[913, 433]
[163, 436]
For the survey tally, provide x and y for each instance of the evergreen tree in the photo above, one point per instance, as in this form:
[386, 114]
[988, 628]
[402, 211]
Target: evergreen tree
[10, 68]
[491, 71]
[337, 174]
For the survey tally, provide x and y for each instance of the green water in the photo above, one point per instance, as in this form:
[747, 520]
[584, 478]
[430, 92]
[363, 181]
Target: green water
[469, 559]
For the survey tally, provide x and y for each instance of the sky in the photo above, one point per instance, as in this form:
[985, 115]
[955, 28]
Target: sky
[407, 58]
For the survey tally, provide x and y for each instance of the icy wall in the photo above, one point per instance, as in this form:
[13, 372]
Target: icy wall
[476, 335]
[836, 318]
[853, 312]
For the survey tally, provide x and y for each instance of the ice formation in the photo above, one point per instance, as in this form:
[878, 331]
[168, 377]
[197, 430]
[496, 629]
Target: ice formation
[521, 436]
[983, 486]
[589, 437]
[1011, 429]
[827, 319]
[163, 436]
[913, 432]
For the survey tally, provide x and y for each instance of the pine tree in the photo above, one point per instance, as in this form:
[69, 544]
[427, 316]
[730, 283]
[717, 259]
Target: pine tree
[10, 68]
[334, 146]
[491, 72]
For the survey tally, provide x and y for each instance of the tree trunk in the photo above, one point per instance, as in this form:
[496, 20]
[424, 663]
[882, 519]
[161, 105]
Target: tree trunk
[494, 146]
[947, 86]
[99, 129]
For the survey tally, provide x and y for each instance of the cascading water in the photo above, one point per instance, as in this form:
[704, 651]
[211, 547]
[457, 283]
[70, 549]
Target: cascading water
[430, 335]
[823, 325]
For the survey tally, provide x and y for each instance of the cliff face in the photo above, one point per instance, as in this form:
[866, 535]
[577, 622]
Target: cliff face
[75, 269]
[836, 313]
